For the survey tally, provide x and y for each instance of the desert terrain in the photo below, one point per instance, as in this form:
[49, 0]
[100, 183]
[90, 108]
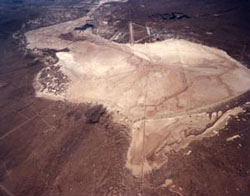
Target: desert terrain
[124, 98]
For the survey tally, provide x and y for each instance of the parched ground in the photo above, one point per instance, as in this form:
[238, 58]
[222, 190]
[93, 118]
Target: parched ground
[50, 147]
[58, 148]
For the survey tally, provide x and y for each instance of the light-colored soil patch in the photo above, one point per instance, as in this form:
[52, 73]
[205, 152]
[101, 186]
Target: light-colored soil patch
[162, 89]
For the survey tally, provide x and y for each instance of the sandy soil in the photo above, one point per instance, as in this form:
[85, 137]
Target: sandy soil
[55, 147]
[161, 90]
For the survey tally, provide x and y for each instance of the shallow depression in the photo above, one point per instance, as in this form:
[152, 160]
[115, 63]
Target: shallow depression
[156, 86]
